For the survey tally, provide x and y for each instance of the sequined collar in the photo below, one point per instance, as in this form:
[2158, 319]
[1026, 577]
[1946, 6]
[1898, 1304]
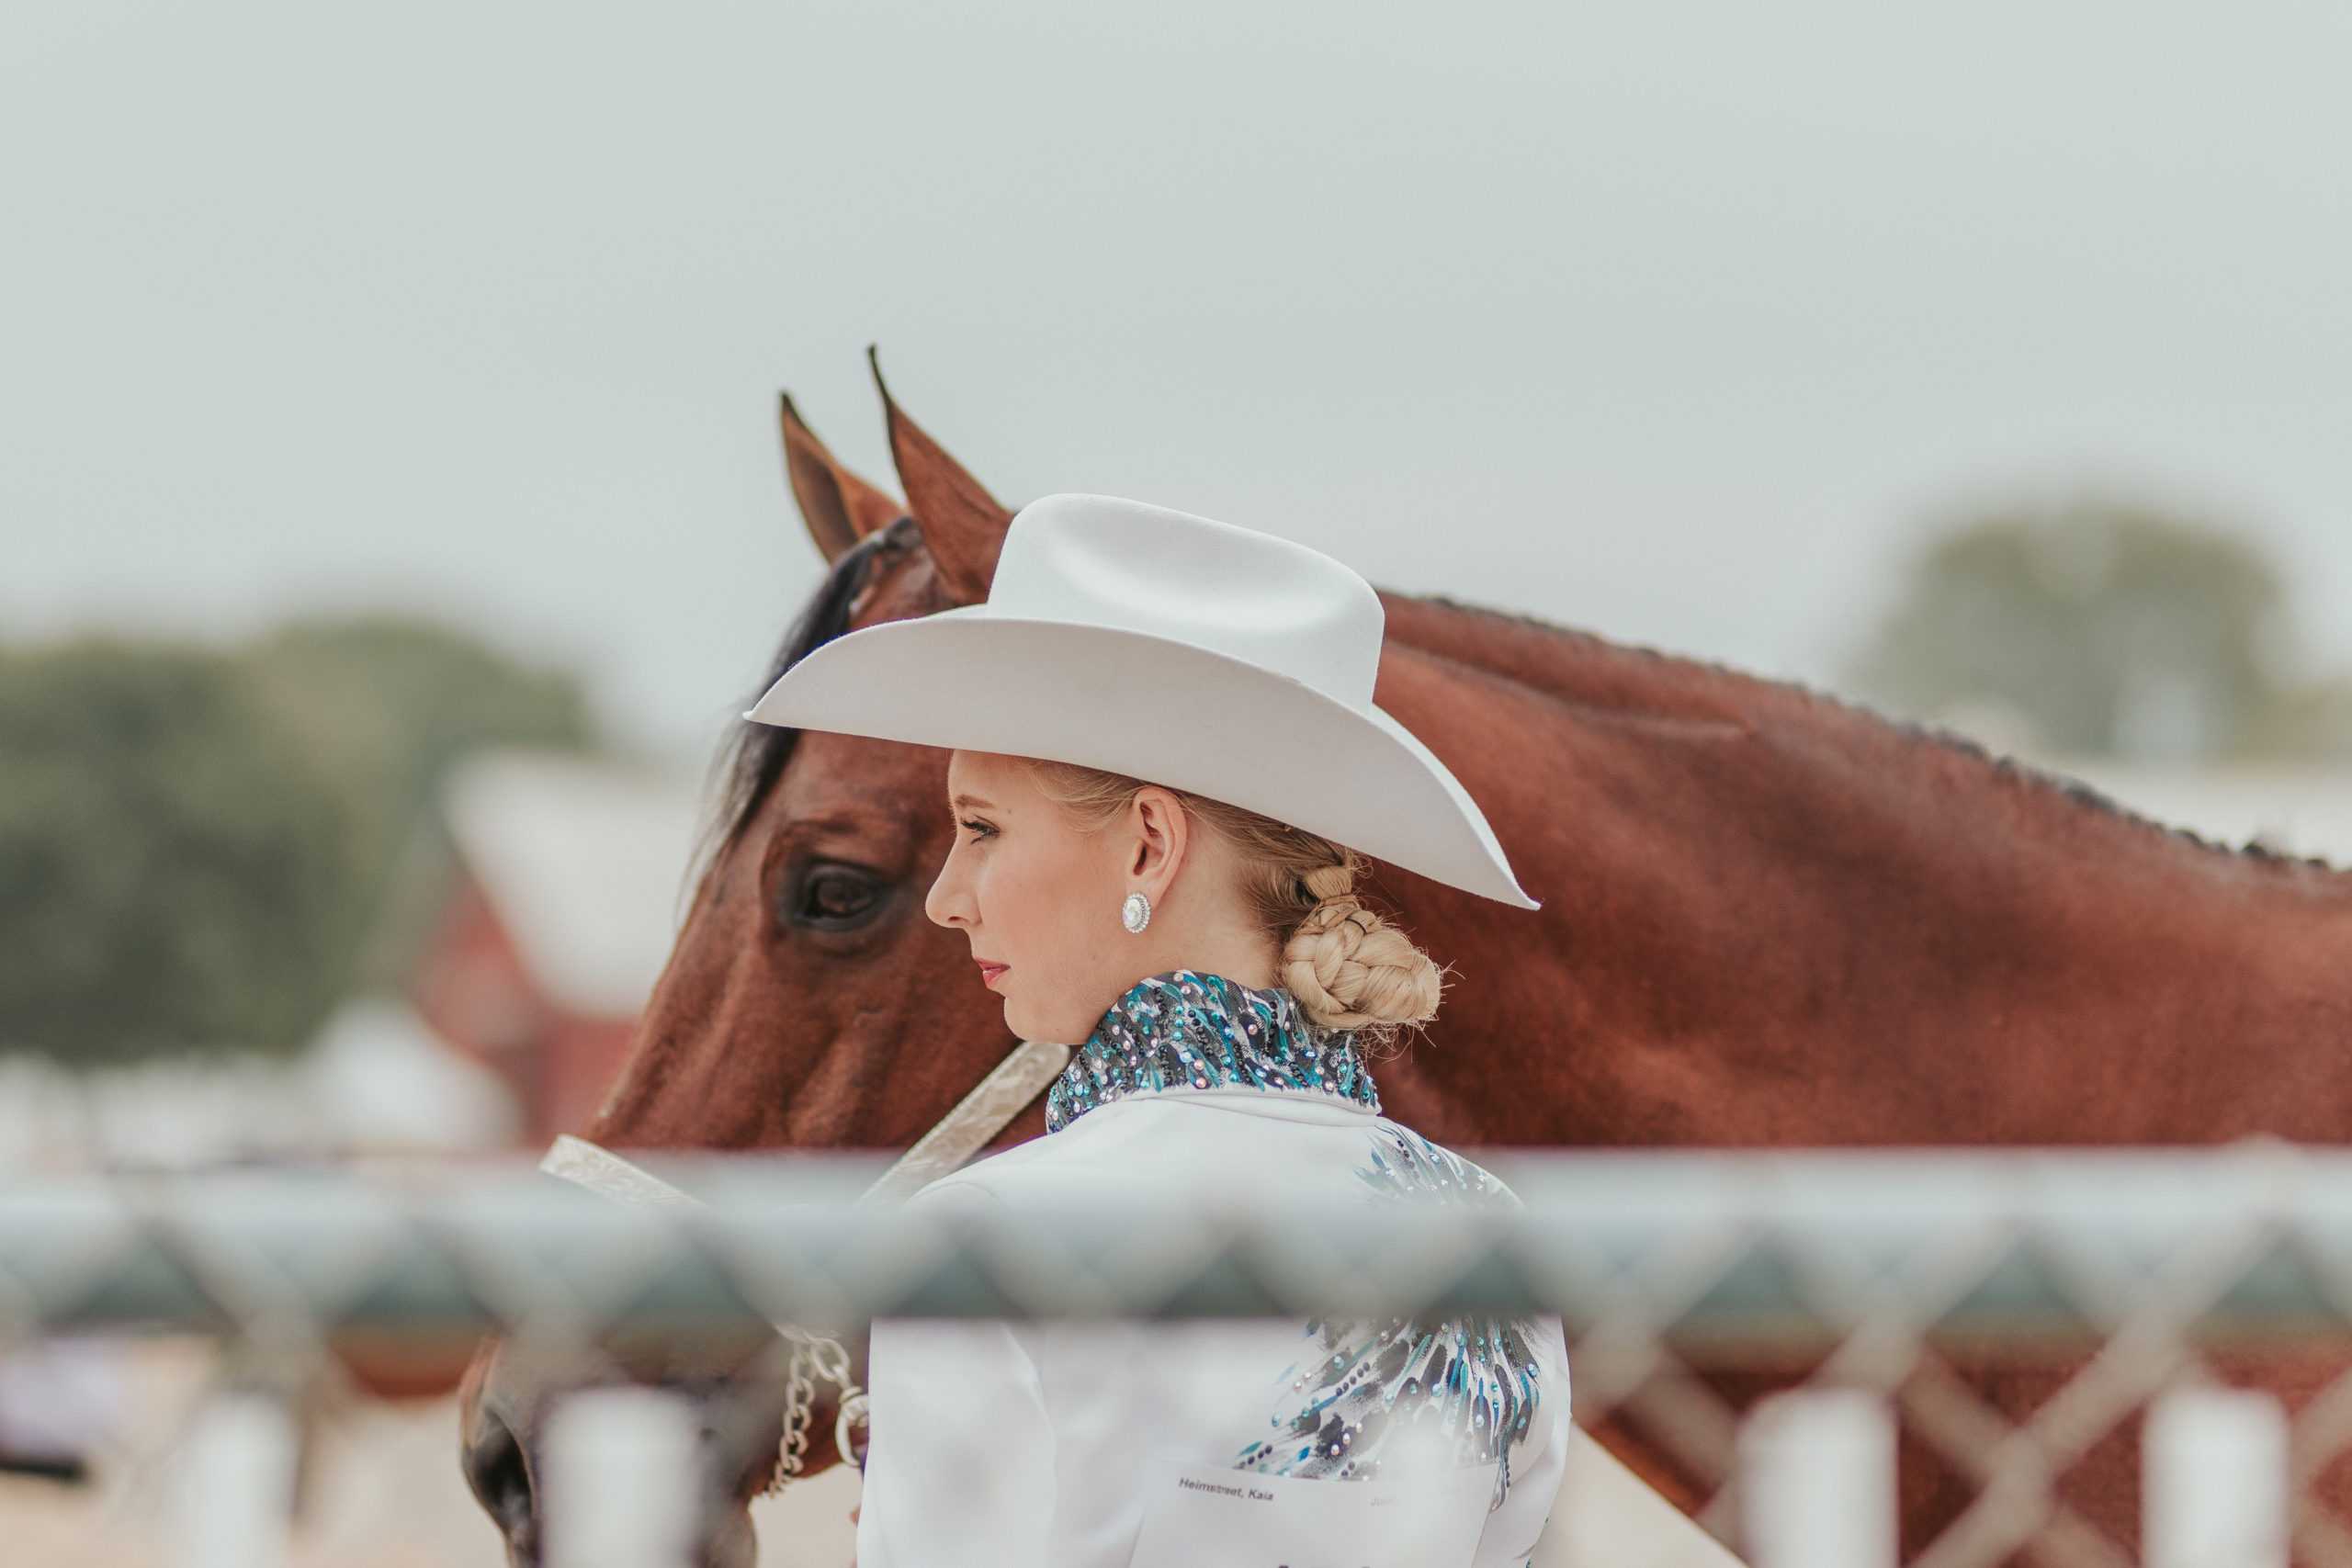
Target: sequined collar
[1190, 1030]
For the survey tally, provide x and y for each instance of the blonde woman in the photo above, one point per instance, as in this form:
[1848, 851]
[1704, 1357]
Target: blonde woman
[1165, 773]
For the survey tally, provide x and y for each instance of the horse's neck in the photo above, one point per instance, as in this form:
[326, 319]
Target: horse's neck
[1571, 665]
[1767, 910]
[1638, 691]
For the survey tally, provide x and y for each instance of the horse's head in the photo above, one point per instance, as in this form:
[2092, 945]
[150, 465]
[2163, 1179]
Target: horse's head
[809, 1003]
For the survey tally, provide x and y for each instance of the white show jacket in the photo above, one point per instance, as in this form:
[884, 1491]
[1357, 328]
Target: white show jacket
[1003, 1444]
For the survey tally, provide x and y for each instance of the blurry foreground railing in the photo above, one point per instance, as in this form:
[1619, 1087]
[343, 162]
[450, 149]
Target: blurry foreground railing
[1871, 1279]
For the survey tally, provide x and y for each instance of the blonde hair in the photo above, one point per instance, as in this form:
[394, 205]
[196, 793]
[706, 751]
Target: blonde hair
[1348, 967]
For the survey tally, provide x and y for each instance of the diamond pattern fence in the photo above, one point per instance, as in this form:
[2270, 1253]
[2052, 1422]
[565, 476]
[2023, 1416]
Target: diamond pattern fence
[1820, 1354]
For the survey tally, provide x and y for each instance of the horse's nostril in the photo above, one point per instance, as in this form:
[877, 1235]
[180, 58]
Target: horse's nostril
[499, 1473]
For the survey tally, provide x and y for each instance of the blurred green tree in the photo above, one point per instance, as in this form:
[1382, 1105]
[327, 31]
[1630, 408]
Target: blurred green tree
[387, 704]
[171, 862]
[198, 844]
[2110, 628]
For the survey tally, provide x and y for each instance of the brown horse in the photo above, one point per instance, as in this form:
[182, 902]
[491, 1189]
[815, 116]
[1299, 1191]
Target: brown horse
[1771, 918]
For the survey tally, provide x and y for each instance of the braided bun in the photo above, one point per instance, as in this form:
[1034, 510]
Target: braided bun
[1350, 969]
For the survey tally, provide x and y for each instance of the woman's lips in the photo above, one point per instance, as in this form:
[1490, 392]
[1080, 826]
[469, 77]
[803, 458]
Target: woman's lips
[988, 972]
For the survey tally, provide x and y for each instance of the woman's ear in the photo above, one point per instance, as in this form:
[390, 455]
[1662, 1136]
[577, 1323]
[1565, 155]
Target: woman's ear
[1160, 831]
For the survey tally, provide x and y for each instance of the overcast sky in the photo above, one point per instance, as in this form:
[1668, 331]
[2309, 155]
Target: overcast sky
[1679, 323]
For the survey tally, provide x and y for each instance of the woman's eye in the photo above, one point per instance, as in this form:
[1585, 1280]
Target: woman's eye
[979, 830]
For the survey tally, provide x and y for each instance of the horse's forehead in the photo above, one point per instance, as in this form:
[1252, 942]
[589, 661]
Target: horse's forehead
[853, 777]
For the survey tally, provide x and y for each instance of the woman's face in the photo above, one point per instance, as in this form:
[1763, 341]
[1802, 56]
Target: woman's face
[1036, 896]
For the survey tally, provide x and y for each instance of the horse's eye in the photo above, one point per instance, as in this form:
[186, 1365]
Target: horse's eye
[837, 897]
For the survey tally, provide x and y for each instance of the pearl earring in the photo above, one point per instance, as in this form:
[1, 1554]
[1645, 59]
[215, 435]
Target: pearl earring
[1136, 913]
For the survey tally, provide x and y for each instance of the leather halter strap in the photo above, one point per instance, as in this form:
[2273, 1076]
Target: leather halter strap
[978, 1117]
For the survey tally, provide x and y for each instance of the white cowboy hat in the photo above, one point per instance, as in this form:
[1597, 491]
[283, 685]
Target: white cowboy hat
[1174, 648]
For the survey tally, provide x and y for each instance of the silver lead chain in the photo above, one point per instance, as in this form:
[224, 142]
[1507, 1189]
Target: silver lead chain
[816, 1356]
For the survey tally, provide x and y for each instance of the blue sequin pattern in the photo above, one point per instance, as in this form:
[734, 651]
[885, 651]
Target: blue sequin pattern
[1190, 1030]
[1470, 1383]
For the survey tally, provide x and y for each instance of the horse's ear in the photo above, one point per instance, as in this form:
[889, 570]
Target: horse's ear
[838, 507]
[963, 525]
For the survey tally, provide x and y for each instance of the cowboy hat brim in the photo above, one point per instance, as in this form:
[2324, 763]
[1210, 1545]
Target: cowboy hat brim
[1155, 708]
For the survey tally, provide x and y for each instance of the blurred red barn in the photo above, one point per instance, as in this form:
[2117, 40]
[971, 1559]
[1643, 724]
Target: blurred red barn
[557, 918]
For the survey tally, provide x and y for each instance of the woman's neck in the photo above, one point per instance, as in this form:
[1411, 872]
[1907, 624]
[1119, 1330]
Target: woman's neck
[1244, 958]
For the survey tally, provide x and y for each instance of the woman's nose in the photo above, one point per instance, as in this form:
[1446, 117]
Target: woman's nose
[942, 903]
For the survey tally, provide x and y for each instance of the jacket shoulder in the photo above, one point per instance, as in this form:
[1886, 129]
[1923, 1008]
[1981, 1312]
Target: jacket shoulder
[1405, 1164]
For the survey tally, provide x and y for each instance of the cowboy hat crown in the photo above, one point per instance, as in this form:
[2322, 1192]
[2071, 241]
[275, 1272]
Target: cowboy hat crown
[1196, 654]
